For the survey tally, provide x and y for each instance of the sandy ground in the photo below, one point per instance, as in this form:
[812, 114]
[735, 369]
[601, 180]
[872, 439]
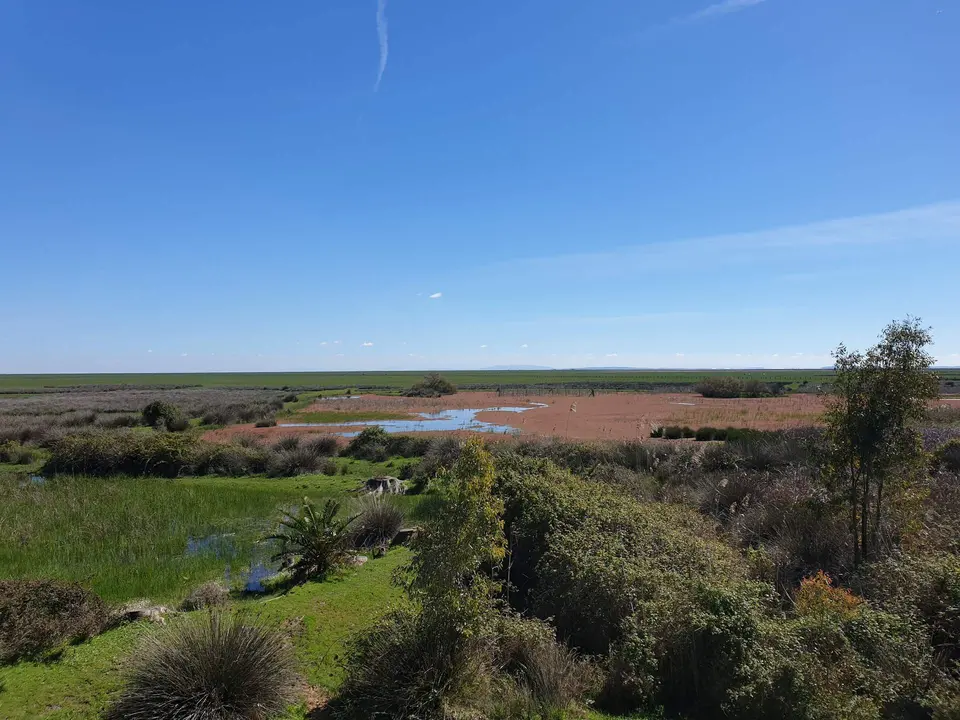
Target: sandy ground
[606, 416]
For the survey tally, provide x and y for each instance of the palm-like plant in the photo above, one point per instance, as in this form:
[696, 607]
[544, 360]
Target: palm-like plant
[313, 541]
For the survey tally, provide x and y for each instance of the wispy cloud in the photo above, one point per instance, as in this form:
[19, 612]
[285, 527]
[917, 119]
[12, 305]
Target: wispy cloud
[721, 8]
[482, 346]
[367, 344]
[613, 355]
[435, 296]
[928, 225]
[524, 345]
[384, 41]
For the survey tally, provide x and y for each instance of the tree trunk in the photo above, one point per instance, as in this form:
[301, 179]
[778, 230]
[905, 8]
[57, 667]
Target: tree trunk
[877, 515]
[853, 515]
[865, 548]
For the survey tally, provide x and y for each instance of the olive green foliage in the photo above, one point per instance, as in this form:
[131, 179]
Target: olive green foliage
[313, 541]
[37, 616]
[433, 385]
[653, 590]
[209, 595]
[162, 415]
[876, 451]
[13, 452]
[731, 387]
[438, 651]
[215, 666]
[947, 455]
[122, 452]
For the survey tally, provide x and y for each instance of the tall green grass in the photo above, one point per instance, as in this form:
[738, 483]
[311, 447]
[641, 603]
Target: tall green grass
[128, 537]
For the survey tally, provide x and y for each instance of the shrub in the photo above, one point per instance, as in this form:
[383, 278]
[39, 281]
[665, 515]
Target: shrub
[15, 453]
[208, 595]
[818, 596]
[673, 432]
[947, 455]
[159, 414]
[37, 616]
[314, 541]
[378, 522]
[243, 457]
[265, 423]
[323, 446]
[123, 452]
[433, 385]
[370, 444]
[719, 387]
[290, 463]
[545, 677]
[215, 666]
[413, 665]
[705, 433]
[288, 442]
[118, 421]
[657, 432]
[328, 466]
[687, 432]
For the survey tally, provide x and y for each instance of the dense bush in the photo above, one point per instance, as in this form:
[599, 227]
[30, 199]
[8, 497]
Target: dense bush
[37, 616]
[947, 455]
[729, 387]
[370, 444]
[123, 452]
[163, 415]
[15, 453]
[215, 666]
[433, 385]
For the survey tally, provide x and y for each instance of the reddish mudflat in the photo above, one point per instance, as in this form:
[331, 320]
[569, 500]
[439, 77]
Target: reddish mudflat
[615, 416]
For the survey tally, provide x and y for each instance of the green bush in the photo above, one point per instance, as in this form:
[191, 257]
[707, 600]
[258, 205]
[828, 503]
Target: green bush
[17, 454]
[123, 452]
[37, 616]
[371, 443]
[265, 423]
[209, 595]
[673, 432]
[314, 541]
[947, 455]
[215, 666]
[433, 385]
[160, 414]
[719, 387]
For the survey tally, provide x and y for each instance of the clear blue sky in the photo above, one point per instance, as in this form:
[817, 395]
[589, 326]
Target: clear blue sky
[227, 185]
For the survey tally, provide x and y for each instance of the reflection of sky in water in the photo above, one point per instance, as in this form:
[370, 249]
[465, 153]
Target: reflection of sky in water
[251, 574]
[444, 420]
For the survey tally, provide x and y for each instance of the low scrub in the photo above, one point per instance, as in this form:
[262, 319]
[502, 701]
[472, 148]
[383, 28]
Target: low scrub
[216, 666]
[16, 454]
[433, 385]
[162, 415]
[728, 387]
[37, 616]
[947, 456]
[378, 522]
[123, 452]
[208, 595]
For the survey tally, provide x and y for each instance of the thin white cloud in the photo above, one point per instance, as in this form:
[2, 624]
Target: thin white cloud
[183, 354]
[384, 41]
[149, 351]
[323, 342]
[928, 226]
[524, 345]
[337, 342]
[717, 9]
[482, 346]
[613, 355]
[436, 296]
[367, 344]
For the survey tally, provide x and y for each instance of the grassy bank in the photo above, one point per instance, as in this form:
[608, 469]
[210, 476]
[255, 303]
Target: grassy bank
[319, 618]
[136, 537]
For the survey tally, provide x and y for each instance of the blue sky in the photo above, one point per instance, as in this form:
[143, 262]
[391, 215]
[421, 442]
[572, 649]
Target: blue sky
[337, 184]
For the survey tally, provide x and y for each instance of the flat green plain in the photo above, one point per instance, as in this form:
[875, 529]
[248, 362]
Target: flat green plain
[397, 380]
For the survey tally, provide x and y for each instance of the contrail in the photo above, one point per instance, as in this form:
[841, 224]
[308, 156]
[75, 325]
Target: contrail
[384, 40]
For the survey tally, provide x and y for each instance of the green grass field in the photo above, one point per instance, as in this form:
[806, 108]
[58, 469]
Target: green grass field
[398, 380]
[135, 537]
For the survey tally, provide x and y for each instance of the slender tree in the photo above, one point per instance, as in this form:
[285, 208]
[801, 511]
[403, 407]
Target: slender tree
[877, 398]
